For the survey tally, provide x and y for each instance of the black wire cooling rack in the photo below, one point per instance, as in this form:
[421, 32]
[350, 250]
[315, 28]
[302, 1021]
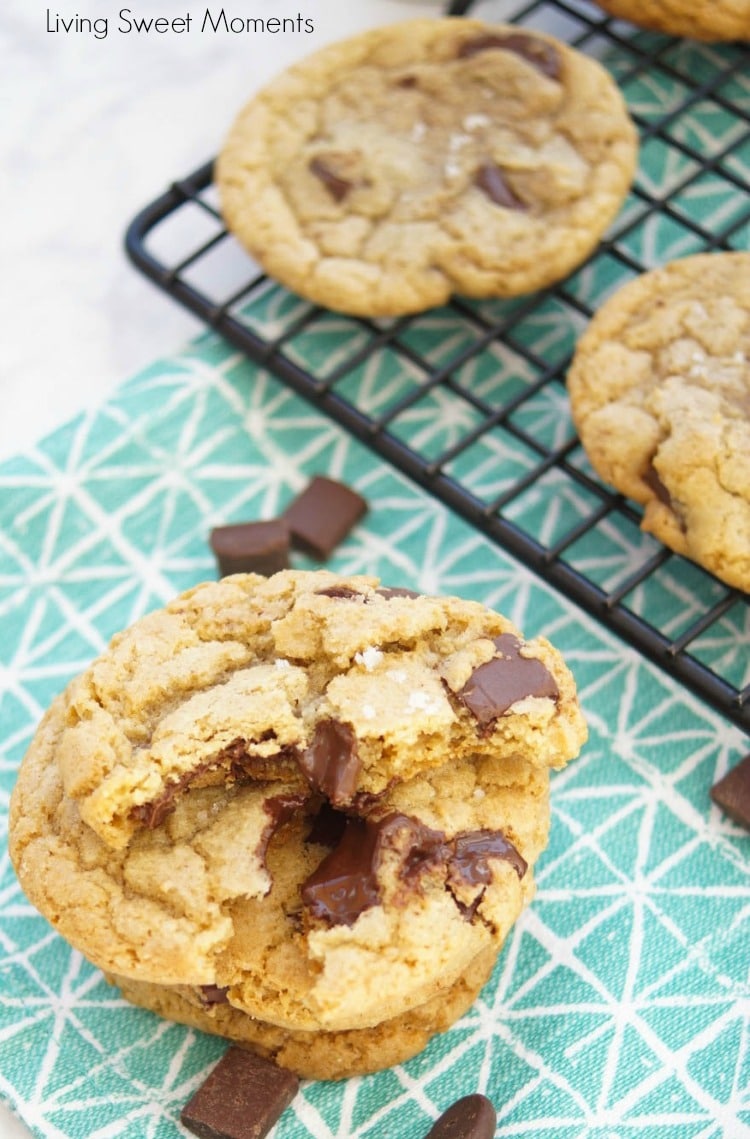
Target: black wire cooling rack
[492, 373]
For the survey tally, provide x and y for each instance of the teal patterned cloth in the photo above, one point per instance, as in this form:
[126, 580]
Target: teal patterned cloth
[619, 1006]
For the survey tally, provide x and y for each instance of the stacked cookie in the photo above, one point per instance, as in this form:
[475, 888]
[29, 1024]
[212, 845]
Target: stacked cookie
[300, 811]
[387, 172]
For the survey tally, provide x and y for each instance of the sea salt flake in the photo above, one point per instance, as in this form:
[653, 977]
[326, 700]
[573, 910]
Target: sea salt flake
[421, 702]
[369, 657]
[457, 141]
[474, 122]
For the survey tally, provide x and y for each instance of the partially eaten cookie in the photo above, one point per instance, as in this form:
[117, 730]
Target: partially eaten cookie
[300, 811]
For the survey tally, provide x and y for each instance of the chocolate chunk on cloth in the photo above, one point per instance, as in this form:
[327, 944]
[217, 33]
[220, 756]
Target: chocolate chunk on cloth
[242, 1098]
[472, 1117]
[251, 547]
[322, 515]
[732, 793]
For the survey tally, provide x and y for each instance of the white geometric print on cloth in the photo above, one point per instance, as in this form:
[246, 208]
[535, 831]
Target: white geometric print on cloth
[619, 1006]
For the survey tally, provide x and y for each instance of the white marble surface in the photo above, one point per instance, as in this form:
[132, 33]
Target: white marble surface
[93, 129]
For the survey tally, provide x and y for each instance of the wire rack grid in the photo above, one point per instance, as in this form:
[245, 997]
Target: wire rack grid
[469, 400]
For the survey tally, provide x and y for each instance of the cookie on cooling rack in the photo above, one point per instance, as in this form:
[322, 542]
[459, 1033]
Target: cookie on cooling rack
[709, 20]
[436, 156]
[307, 800]
[660, 394]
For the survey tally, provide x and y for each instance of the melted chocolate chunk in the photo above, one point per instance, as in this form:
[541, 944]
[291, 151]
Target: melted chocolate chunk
[471, 851]
[251, 547]
[346, 883]
[322, 516]
[491, 180]
[539, 53]
[279, 809]
[336, 186]
[495, 687]
[651, 478]
[732, 793]
[242, 1098]
[397, 591]
[234, 764]
[472, 1117]
[424, 847]
[340, 592]
[331, 761]
[153, 814]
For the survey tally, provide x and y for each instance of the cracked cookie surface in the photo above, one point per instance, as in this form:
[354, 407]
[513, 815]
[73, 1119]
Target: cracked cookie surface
[237, 822]
[298, 678]
[660, 395]
[386, 172]
[709, 20]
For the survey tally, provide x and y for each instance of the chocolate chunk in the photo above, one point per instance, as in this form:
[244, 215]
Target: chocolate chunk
[153, 814]
[495, 687]
[251, 547]
[732, 793]
[331, 761]
[213, 995]
[279, 809]
[471, 851]
[472, 1117]
[341, 593]
[322, 516]
[388, 593]
[337, 186]
[538, 52]
[651, 478]
[345, 883]
[242, 1098]
[491, 179]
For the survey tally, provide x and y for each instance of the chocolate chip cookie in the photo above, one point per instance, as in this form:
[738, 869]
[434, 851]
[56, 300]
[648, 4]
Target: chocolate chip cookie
[709, 20]
[436, 156]
[660, 394]
[317, 797]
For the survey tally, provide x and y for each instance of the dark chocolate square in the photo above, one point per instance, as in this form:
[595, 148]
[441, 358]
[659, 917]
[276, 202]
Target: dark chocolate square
[322, 515]
[241, 1098]
[251, 547]
[732, 793]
